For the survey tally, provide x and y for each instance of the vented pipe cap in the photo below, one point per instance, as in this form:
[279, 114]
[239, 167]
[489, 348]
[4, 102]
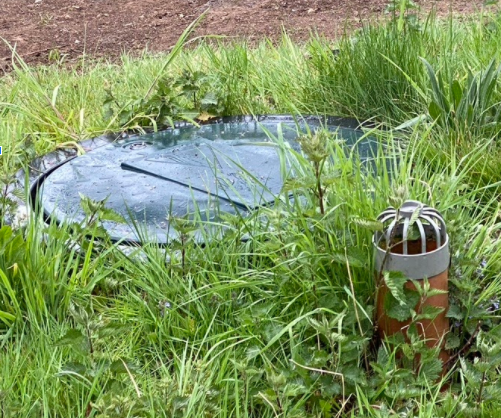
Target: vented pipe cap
[417, 239]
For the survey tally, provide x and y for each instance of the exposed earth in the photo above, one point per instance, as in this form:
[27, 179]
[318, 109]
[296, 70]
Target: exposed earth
[40, 29]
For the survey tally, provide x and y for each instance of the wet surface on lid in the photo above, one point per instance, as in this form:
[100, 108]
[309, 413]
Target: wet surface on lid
[229, 167]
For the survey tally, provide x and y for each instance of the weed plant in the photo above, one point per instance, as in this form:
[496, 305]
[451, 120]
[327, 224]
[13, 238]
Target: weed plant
[279, 324]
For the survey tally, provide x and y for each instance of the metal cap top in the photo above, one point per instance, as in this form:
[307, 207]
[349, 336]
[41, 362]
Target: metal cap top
[413, 214]
[409, 207]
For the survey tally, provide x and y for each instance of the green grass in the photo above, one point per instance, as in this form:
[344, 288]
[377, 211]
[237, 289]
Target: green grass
[279, 325]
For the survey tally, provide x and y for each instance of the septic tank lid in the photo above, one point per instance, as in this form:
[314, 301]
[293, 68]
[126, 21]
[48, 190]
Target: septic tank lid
[227, 166]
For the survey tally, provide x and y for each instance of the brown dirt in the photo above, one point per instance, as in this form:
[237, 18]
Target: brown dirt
[106, 28]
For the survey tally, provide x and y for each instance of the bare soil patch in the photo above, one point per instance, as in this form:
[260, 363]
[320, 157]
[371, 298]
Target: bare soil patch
[106, 28]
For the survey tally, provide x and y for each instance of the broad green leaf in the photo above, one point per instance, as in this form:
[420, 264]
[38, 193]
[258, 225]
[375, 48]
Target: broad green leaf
[435, 111]
[455, 312]
[74, 367]
[395, 282]
[435, 292]
[482, 366]
[88, 205]
[382, 356]
[351, 256]
[119, 367]
[353, 374]
[252, 352]
[319, 358]
[72, 337]
[452, 341]
[429, 312]
[321, 326]
[400, 312]
[396, 311]
[431, 369]
[277, 380]
[209, 99]
[107, 214]
[292, 390]
[330, 386]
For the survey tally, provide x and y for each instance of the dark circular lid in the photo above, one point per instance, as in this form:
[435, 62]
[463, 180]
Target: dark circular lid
[230, 166]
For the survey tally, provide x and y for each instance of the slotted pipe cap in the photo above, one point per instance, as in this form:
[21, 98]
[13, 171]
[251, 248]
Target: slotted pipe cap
[430, 227]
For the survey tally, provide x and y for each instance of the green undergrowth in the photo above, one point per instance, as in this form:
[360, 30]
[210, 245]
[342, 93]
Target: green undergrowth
[274, 317]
